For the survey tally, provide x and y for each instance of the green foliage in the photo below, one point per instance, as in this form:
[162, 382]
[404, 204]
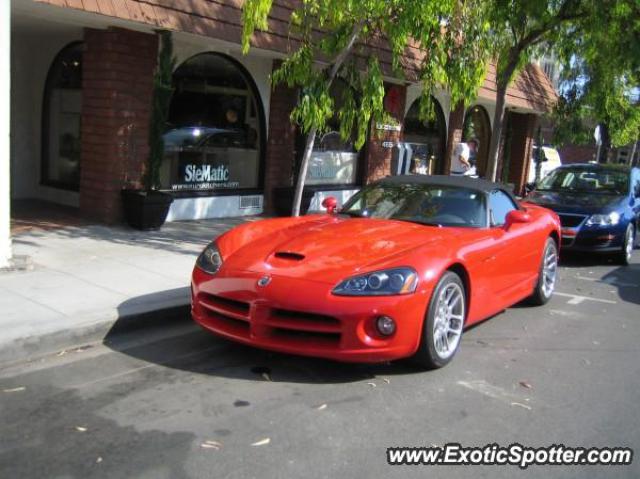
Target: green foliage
[522, 28]
[162, 92]
[254, 16]
[601, 74]
[333, 37]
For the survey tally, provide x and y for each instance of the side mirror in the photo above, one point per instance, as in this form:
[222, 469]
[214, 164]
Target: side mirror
[516, 216]
[330, 203]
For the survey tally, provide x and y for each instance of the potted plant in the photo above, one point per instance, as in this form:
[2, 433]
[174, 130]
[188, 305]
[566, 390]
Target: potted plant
[147, 208]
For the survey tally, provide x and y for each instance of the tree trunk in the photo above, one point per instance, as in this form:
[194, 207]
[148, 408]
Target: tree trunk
[302, 174]
[633, 153]
[498, 120]
[311, 136]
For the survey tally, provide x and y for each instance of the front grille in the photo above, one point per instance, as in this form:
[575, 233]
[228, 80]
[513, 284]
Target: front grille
[301, 326]
[296, 327]
[304, 321]
[326, 339]
[571, 221]
[567, 241]
[219, 303]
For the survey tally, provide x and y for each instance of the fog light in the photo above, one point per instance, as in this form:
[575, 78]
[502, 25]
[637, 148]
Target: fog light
[386, 325]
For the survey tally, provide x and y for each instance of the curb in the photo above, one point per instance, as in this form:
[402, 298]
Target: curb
[32, 348]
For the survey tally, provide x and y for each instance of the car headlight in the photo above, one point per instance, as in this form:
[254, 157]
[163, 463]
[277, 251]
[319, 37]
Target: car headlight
[604, 220]
[379, 283]
[210, 259]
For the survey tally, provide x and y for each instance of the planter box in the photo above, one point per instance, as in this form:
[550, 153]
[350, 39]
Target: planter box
[146, 210]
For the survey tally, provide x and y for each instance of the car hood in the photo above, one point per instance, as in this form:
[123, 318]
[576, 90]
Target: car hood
[580, 203]
[330, 250]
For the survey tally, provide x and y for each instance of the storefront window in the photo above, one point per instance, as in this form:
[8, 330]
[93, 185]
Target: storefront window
[477, 125]
[215, 131]
[61, 120]
[334, 161]
[426, 139]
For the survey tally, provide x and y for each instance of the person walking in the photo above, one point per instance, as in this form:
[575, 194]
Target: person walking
[461, 158]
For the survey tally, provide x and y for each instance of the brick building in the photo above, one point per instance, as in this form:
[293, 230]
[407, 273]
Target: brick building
[81, 75]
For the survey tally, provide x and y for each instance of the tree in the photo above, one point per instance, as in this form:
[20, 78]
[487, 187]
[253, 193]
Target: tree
[518, 28]
[601, 75]
[334, 39]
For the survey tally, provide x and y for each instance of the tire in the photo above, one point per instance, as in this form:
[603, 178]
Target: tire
[547, 274]
[443, 323]
[624, 257]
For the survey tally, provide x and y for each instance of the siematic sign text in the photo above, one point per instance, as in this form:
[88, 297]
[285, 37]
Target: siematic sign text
[206, 177]
[202, 173]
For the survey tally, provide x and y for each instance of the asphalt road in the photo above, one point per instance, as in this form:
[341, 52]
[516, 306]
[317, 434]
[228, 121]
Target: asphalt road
[145, 404]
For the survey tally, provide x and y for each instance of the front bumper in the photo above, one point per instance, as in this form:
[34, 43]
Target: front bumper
[298, 316]
[593, 239]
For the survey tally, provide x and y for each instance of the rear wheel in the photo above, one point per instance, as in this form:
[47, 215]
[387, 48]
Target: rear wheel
[443, 324]
[547, 274]
[627, 245]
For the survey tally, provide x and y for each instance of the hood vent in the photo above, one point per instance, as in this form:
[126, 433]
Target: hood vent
[290, 256]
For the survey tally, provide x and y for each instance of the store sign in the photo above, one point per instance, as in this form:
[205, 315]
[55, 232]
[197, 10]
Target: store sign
[205, 173]
[332, 167]
[385, 127]
[205, 177]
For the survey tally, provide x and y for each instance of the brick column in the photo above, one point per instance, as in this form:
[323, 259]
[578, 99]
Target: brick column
[377, 156]
[454, 135]
[523, 129]
[5, 144]
[117, 86]
[280, 154]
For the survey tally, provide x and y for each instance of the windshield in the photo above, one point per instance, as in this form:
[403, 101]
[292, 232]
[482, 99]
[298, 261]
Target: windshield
[425, 204]
[586, 180]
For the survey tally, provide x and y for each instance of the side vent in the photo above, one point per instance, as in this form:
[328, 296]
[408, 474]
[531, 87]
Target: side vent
[290, 256]
[250, 202]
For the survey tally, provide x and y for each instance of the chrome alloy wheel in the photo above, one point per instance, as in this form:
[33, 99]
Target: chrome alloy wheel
[448, 321]
[549, 271]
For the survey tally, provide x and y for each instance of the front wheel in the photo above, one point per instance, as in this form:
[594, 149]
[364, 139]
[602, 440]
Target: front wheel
[443, 323]
[627, 245]
[547, 275]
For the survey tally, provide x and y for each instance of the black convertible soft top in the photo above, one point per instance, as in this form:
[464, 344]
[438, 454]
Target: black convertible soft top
[467, 182]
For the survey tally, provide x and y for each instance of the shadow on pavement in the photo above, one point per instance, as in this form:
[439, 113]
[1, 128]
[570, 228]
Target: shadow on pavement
[174, 341]
[54, 432]
[627, 280]
[570, 259]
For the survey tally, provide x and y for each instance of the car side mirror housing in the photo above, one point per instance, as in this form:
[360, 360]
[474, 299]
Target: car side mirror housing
[516, 216]
[330, 203]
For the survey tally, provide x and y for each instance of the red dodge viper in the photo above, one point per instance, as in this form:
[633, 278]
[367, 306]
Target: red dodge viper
[399, 271]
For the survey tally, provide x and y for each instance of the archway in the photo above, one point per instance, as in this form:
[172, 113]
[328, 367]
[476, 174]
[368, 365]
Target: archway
[477, 125]
[61, 117]
[216, 129]
[427, 139]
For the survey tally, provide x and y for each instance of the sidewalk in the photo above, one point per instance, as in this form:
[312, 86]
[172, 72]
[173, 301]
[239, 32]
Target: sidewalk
[84, 278]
